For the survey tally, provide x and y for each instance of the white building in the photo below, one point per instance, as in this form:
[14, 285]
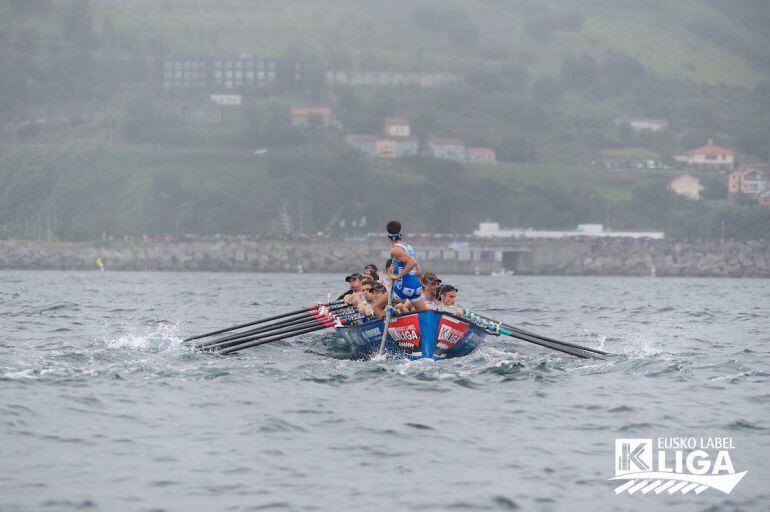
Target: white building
[687, 186]
[492, 230]
[447, 149]
[397, 127]
[709, 157]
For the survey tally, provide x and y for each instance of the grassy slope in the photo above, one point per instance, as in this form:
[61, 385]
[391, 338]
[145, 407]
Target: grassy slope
[95, 189]
[383, 34]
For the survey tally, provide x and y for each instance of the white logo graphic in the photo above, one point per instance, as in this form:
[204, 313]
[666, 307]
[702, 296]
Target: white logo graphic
[675, 464]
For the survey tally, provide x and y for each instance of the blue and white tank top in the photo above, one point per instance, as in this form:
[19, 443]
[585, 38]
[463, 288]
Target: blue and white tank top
[398, 266]
[431, 302]
[410, 280]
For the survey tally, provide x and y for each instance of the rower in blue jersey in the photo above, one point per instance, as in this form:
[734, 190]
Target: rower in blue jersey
[404, 276]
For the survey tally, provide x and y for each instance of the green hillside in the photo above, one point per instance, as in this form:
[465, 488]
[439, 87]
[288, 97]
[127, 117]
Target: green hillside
[77, 193]
[700, 40]
[542, 82]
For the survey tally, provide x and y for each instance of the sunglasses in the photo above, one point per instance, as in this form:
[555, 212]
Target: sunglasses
[367, 289]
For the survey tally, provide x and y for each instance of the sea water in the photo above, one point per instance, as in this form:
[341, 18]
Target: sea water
[102, 407]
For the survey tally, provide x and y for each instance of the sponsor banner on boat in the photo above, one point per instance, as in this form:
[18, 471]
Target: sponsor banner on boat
[372, 334]
[450, 332]
[675, 465]
[405, 332]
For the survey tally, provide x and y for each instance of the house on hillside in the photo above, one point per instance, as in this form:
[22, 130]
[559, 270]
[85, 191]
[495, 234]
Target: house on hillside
[643, 124]
[406, 146]
[397, 127]
[397, 147]
[365, 143]
[447, 149]
[748, 180]
[481, 155]
[384, 147]
[391, 78]
[687, 186]
[630, 158]
[219, 108]
[763, 198]
[649, 125]
[303, 117]
[709, 158]
[228, 73]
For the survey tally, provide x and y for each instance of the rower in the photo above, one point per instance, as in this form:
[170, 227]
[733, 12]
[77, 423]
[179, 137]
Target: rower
[447, 297]
[406, 283]
[378, 293]
[354, 280]
[365, 304]
[430, 285]
[374, 305]
[368, 272]
[388, 269]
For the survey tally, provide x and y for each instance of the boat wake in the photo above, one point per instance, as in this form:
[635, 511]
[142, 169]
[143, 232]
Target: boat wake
[159, 337]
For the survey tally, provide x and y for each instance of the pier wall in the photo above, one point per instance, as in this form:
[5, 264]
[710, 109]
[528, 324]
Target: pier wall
[589, 257]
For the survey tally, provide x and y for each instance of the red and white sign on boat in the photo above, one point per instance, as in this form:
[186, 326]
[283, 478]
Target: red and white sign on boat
[405, 331]
[450, 332]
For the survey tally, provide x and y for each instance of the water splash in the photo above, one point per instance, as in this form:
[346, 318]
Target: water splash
[160, 337]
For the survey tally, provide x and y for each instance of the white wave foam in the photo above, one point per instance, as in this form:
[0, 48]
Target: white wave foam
[155, 338]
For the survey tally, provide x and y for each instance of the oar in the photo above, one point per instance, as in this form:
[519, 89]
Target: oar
[263, 320]
[301, 317]
[581, 353]
[567, 348]
[237, 341]
[388, 316]
[538, 336]
[262, 341]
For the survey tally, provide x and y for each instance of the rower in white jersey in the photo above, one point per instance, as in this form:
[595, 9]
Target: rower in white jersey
[406, 283]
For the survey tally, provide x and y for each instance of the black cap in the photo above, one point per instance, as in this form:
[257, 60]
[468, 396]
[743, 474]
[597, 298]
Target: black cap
[354, 275]
[446, 289]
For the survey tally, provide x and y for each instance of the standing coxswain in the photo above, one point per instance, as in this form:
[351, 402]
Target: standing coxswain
[404, 274]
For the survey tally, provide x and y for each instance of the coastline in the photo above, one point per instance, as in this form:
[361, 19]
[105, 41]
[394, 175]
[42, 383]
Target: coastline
[589, 257]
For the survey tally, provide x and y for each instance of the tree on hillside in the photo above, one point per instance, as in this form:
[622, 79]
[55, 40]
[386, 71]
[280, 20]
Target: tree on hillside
[580, 73]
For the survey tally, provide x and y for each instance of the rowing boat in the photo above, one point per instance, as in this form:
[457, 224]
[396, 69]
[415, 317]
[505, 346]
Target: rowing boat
[425, 334]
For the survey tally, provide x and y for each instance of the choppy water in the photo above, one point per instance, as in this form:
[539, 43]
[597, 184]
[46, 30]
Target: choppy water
[102, 407]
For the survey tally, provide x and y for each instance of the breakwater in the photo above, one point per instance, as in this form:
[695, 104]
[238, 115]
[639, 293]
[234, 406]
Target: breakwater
[587, 257]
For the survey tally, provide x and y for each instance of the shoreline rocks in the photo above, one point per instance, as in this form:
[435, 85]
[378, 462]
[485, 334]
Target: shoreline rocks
[541, 257]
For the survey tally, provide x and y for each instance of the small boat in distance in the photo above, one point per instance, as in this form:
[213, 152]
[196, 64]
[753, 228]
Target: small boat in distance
[424, 334]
